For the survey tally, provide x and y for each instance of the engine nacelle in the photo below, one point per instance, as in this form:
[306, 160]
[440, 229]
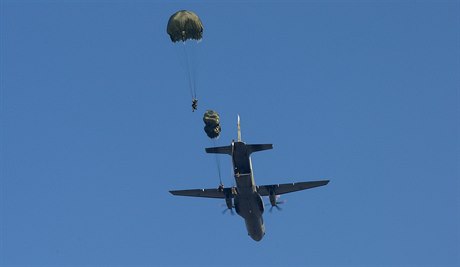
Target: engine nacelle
[230, 193]
[272, 198]
[229, 202]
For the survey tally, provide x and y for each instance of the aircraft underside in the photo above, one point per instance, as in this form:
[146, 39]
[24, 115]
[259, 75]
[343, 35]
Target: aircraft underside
[251, 207]
[246, 197]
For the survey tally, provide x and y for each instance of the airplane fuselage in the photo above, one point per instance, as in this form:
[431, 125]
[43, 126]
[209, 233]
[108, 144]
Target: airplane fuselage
[245, 197]
[248, 203]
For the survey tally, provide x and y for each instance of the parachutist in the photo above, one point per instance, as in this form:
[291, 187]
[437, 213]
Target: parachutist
[221, 188]
[184, 26]
[194, 104]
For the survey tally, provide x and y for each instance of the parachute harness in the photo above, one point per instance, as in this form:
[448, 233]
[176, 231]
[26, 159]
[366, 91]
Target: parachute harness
[217, 162]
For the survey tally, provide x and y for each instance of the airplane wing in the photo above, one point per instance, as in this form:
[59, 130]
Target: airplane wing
[210, 193]
[279, 189]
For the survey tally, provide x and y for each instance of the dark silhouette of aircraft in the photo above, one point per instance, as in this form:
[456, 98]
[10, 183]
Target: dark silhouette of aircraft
[246, 196]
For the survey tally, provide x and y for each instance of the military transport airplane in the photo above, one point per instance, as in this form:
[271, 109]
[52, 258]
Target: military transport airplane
[246, 196]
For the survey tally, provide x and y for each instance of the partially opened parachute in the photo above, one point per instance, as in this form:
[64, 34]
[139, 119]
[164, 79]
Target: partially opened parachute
[211, 119]
[184, 25]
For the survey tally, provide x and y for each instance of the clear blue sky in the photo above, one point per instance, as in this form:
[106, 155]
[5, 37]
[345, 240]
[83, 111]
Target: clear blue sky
[96, 127]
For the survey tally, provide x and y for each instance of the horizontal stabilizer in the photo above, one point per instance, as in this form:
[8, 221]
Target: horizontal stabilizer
[279, 189]
[210, 193]
[220, 150]
[259, 147]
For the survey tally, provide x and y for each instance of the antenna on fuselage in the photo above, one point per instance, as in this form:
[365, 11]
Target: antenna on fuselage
[239, 129]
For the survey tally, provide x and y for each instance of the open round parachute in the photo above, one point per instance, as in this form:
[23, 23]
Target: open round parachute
[212, 128]
[184, 25]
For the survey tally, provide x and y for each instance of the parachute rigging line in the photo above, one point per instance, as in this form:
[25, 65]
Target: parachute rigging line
[217, 162]
[190, 78]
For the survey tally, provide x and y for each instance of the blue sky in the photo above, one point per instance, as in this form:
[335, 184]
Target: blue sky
[96, 127]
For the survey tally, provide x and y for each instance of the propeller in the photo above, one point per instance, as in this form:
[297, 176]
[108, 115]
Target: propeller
[231, 211]
[274, 203]
[228, 198]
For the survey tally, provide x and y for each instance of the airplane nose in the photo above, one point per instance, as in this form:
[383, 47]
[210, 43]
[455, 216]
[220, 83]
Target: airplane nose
[257, 237]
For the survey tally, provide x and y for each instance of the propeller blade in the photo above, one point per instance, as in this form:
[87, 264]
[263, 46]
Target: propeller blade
[231, 211]
[276, 205]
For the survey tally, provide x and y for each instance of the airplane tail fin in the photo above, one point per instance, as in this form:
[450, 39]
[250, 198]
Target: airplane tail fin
[239, 129]
[225, 149]
[252, 148]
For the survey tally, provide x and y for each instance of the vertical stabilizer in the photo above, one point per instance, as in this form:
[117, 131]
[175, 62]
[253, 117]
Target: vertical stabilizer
[239, 129]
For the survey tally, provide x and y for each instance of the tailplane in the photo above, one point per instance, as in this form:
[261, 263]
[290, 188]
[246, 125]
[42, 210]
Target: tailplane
[258, 147]
[229, 149]
[220, 150]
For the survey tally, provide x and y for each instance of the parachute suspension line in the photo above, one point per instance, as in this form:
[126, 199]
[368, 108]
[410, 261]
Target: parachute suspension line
[218, 168]
[193, 68]
[194, 81]
[190, 79]
[217, 162]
